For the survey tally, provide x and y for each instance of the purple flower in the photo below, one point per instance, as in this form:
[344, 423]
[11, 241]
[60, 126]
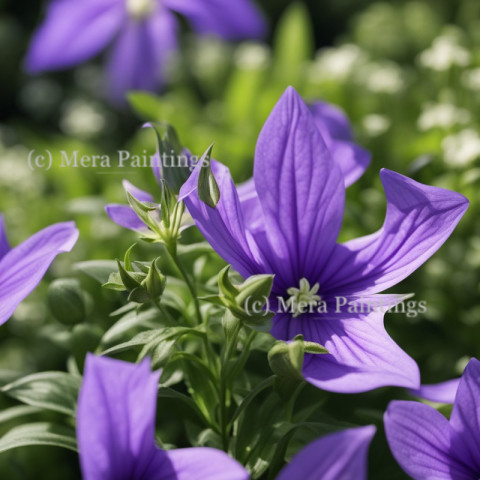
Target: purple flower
[22, 267]
[289, 227]
[116, 436]
[140, 34]
[116, 430]
[340, 455]
[427, 445]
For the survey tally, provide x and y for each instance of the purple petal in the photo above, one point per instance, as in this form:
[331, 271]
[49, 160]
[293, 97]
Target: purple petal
[235, 19]
[223, 226]
[419, 219]
[340, 455]
[139, 54]
[73, 32]
[4, 245]
[352, 159]
[465, 418]
[200, 463]
[444, 392]
[331, 121]
[124, 216]
[251, 207]
[362, 356]
[138, 193]
[419, 438]
[337, 133]
[22, 268]
[116, 419]
[301, 191]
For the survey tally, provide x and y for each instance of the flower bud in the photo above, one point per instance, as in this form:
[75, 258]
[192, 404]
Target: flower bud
[67, 301]
[155, 281]
[286, 359]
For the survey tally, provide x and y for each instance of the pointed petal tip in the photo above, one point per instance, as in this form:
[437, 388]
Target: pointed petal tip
[70, 229]
[367, 432]
[291, 95]
[455, 200]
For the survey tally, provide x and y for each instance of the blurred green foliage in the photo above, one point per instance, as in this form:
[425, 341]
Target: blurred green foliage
[408, 75]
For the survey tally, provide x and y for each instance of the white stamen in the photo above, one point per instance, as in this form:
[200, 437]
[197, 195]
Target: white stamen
[303, 299]
[140, 9]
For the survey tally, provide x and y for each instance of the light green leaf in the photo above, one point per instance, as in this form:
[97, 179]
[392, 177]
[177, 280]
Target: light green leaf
[99, 270]
[39, 434]
[55, 391]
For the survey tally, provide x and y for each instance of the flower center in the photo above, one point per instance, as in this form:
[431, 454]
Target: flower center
[140, 9]
[304, 298]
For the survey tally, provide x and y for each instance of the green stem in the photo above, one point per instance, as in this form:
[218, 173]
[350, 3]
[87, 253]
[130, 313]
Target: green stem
[209, 354]
[188, 282]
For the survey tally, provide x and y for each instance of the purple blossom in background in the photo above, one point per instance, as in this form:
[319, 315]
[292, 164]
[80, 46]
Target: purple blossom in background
[140, 35]
[116, 430]
[340, 455]
[427, 445]
[289, 227]
[22, 267]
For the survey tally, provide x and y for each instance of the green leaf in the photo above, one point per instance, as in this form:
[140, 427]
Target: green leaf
[55, 391]
[208, 191]
[147, 105]
[152, 336]
[268, 382]
[131, 320]
[32, 434]
[99, 270]
[18, 411]
[294, 43]
[170, 393]
[194, 249]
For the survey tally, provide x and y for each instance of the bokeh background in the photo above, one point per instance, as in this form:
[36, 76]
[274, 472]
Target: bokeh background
[406, 72]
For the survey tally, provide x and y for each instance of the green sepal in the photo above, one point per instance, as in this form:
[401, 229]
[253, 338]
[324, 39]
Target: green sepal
[155, 281]
[208, 191]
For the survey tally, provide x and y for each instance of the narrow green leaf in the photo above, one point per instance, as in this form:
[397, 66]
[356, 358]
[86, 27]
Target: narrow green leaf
[18, 411]
[33, 434]
[99, 270]
[57, 391]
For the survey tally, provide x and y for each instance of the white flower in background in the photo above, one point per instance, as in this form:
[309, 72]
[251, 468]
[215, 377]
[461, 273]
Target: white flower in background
[375, 124]
[252, 56]
[385, 77]
[471, 79]
[337, 63]
[208, 54]
[462, 148]
[444, 53]
[15, 174]
[83, 119]
[442, 115]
